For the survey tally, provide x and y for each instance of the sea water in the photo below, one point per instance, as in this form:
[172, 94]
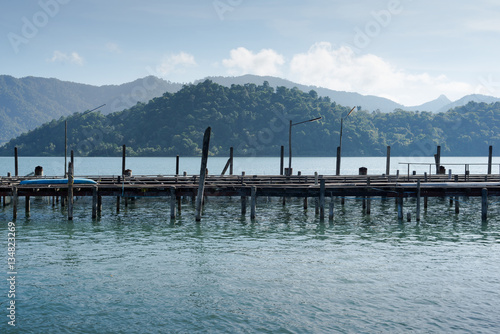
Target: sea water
[287, 271]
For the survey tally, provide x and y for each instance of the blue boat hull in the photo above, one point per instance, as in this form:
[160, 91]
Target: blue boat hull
[57, 181]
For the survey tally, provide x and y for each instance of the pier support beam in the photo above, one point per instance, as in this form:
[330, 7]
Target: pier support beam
[243, 205]
[388, 161]
[253, 202]
[70, 191]
[172, 202]
[418, 200]
[490, 158]
[457, 205]
[94, 202]
[282, 159]
[368, 201]
[400, 206]
[14, 203]
[330, 213]
[484, 204]
[16, 164]
[27, 205]
[322, 199]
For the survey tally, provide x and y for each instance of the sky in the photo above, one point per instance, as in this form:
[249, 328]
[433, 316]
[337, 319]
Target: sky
[406, 50]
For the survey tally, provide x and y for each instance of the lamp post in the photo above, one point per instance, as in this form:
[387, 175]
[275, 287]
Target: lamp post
[290, 142]
[66, 139]
[339, 149]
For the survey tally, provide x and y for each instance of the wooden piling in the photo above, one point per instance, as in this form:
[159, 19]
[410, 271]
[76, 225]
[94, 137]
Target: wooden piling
[172, 202]
[203, 173]
[253, 202]
[14, 203]
[457, 205]
[177, 165]
[243, 205]
[124, 149]
[368, 200]
[322, 199]
[388, 161]
[231, 158]
[437, 158]
[99, 204]
[282, 160]
[94, 202]
[418, 200]
[400, 206]
[490, 158]
[65, 148]
[16, 164]
[27, 205]
[70, 191]
[484, 204]
[337, 169]
[330, 213]
[316, 199]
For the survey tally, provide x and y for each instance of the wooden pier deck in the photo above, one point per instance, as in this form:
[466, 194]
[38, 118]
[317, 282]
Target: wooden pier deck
[254, 186]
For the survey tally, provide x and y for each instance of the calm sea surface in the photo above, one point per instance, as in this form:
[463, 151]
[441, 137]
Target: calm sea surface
[285, 272]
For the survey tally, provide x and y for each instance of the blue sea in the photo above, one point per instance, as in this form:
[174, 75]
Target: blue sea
[287, 271]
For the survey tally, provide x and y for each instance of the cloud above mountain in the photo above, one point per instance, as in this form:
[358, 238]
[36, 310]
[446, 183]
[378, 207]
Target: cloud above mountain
[342, 69]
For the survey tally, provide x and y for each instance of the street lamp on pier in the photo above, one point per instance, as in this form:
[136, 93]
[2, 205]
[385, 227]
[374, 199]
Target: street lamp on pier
[289, 171]
[339, 149]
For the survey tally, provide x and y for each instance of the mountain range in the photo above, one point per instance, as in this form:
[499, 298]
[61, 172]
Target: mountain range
[26, 103]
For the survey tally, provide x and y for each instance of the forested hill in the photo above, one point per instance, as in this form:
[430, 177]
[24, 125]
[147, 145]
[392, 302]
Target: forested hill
[254, 119]
[29, 102]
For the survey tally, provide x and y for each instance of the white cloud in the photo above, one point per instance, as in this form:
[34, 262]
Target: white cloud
[61, 57]
[244, 61]
[175, 63]
[341, 69]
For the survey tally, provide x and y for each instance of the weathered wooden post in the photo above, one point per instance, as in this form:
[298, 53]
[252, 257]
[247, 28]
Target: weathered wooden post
[16, 165]
[70, 191]
[27, 205]
[484, 204]
[457, 205]
[172, 202]
[243, 205]
[322, 199]
[231, 156]
[490, 158]
[124, 148]
[94, 202]
[330, 214]
[388, 161]
[14, 203]
[368, 200]
[65, 148]
[253, 202]
[418, 200]
[337, 170]
[400, 206]
[203, 173]
[177, 165]
[282, 160]
[437, 158]
[316, 199]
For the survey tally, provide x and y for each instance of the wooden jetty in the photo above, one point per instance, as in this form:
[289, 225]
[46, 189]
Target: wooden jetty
[316, 186]
[253, 186]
